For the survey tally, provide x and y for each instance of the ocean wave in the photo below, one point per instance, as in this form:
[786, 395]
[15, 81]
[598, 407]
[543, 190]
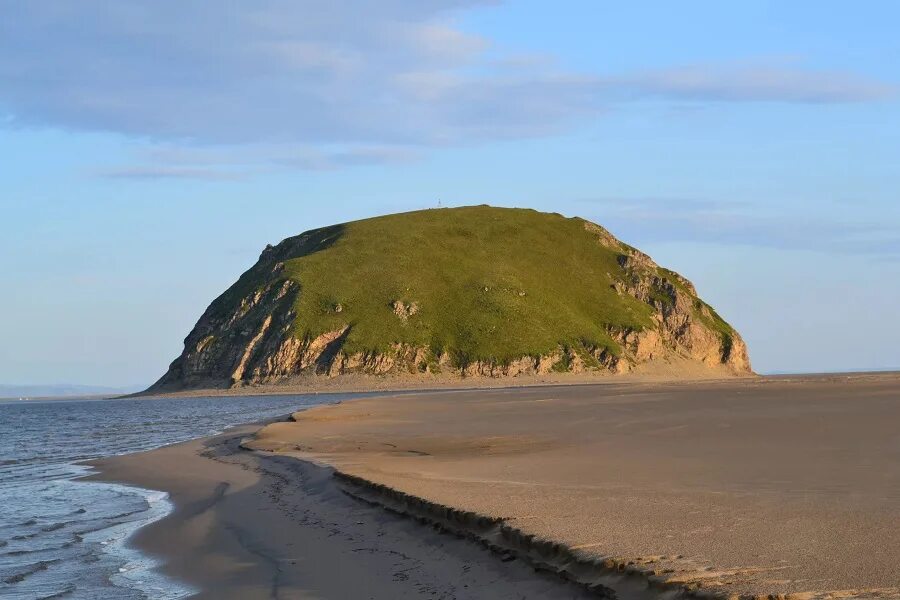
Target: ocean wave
[46, 513]
[68, 591]
[137, 570]
[29, 571]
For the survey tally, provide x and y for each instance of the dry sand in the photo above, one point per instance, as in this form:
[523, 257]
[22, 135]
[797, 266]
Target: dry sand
[672, 370]
[750, 487]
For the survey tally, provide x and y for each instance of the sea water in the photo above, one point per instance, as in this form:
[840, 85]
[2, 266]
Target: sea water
[65, 538]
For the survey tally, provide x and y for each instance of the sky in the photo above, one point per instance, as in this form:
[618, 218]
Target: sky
[149, 150]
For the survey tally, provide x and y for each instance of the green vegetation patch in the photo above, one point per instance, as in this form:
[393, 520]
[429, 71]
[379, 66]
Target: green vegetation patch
[479, 283]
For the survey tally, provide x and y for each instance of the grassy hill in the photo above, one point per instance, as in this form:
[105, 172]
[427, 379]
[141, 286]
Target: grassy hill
[463, 285]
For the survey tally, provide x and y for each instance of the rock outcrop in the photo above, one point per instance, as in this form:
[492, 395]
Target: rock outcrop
[255, 333]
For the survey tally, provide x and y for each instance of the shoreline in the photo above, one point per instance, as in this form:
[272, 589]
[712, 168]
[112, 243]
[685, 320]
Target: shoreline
[385, 384]
[139, 571]
[375, 385]
[360, 452]
[248, 525]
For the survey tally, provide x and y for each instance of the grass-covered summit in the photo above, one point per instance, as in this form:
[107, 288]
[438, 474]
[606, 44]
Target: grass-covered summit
[471, 290]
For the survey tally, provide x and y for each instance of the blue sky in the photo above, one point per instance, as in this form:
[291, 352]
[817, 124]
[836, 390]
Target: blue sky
[150, 150]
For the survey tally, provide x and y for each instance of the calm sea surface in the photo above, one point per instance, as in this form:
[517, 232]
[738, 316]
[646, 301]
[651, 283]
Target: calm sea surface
[63, 538]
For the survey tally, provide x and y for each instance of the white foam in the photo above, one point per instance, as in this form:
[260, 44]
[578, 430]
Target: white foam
[139, 571]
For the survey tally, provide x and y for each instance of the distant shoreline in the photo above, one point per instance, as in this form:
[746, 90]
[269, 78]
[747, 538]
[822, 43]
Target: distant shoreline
[388, 384]
[59, 398]
[376, 384]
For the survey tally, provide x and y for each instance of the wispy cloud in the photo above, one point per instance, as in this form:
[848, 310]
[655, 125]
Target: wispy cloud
[360, 74]
[218, 163]
[167, 172]
[327, 159]
[776, 82]
[647, 220]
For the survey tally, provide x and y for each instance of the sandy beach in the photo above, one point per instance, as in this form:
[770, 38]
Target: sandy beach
[252, 527]
[785, 487]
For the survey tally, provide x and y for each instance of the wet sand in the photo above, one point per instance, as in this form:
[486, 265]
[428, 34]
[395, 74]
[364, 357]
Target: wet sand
[249, 527]
[787, 486]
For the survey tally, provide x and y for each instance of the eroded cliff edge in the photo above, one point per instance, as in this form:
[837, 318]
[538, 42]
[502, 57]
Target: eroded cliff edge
[472, 291]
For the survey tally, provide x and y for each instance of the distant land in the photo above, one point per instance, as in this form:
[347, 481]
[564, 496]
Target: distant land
[473, 291]
[59, 390]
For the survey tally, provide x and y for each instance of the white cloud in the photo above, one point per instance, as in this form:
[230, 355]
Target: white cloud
[348, 77]
[274, 70]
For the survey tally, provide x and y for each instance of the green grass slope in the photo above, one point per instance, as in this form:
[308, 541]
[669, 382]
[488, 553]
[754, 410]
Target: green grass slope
[489, 284]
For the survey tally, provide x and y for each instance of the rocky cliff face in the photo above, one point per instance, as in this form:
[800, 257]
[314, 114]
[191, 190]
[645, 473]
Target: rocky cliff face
[249, 335]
